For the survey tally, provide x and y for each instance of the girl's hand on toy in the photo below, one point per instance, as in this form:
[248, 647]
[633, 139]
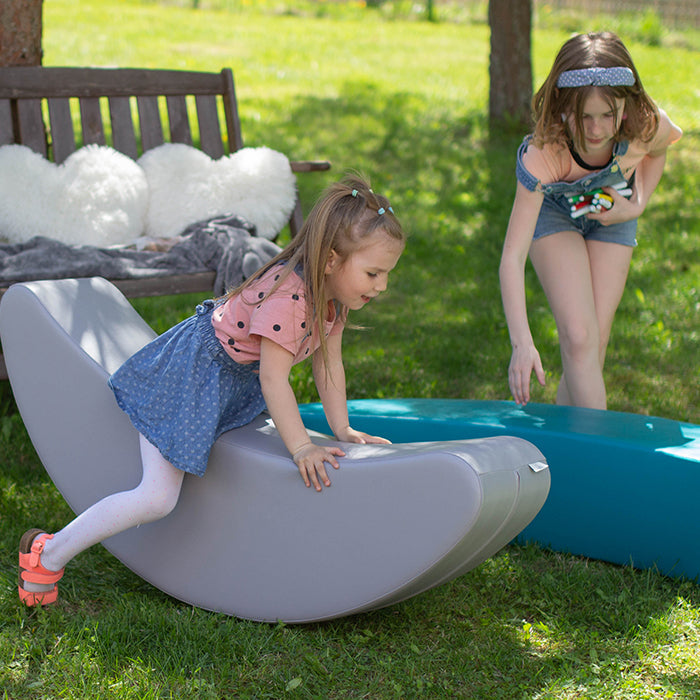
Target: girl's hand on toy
[522, 363]
[351, 435]
[310, 460]
[622, 210]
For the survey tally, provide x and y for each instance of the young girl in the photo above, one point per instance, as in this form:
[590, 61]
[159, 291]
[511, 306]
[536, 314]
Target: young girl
[220, 368]
[595, 129]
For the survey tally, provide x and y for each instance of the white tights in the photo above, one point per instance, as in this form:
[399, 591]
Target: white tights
[152, 499]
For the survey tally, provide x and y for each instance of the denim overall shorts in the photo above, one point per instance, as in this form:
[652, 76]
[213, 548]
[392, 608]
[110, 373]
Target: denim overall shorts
[555, 213]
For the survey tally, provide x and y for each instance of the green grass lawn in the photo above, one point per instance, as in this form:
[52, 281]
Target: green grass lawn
[404, 101]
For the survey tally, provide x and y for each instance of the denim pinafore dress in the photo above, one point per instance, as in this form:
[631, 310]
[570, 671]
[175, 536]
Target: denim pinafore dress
[555, 213]
[182, 391]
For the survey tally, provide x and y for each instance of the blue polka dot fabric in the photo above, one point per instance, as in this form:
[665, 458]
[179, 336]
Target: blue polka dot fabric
[182, 391]
[582, 77]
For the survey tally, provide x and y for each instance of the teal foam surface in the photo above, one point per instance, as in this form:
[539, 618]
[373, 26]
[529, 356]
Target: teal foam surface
[624, 486]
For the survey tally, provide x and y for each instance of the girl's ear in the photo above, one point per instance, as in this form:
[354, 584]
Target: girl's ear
[333, 262]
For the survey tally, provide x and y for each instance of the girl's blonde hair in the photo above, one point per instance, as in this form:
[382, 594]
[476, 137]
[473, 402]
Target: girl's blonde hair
[593, 50]
[342, 220]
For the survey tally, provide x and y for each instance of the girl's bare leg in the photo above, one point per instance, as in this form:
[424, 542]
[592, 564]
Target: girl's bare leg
[610, 264]
[584, 284]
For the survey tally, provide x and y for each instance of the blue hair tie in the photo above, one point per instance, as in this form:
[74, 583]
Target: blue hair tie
[354, 193]
[382, 210]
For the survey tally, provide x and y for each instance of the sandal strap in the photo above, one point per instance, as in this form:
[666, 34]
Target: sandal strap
[38, 597]
[30, 563]
[37, 577]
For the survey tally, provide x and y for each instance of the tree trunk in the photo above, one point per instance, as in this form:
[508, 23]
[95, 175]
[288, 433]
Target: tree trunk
[510, 71]
[20, 32]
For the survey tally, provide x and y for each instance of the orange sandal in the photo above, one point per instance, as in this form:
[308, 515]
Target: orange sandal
[31, 545]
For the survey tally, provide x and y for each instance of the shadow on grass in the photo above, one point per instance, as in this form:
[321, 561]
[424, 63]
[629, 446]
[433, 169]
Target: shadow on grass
[452, 186]
[440, 331]
[523, 624]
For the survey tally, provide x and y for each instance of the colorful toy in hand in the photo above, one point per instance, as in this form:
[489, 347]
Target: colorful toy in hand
[595, 200]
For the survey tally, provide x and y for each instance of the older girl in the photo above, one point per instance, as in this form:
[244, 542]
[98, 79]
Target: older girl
[600, 137]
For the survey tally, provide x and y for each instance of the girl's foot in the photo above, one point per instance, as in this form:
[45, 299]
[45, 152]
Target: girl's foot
[37, 585]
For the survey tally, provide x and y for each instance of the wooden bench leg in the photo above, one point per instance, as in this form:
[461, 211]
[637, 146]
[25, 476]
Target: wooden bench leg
[297, 219]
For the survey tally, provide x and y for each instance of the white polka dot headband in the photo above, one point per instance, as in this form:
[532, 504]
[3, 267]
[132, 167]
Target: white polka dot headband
[596, 76]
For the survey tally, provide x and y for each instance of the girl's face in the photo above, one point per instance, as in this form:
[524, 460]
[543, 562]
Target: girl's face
[599, 124]
[365, 272]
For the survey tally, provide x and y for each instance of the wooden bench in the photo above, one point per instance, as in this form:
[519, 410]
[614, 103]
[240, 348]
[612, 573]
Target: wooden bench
[54, 111]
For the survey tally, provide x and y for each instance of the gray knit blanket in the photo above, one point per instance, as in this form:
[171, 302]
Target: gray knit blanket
[224, 244]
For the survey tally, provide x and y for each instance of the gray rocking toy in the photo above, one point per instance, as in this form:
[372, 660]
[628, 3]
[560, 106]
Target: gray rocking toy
[249, 539]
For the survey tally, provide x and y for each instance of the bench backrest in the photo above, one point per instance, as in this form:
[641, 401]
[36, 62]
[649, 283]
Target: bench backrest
[40, 107]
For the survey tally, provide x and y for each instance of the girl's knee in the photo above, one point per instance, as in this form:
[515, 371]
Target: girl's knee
[163, 501]
[155, 504]
[159, 490]
[163, 504]
[579, 340]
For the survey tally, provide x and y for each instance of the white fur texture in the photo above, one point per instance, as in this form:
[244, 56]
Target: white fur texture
[187, 186]
[97, 196]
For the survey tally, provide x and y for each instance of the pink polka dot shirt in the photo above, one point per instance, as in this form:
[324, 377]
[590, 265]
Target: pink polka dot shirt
[241, 322]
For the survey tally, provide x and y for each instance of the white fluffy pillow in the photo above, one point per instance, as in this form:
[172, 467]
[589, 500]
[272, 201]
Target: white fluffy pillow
[187, 186]
[97, 196]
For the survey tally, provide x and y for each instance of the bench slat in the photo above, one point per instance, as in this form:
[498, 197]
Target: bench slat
[150, 124]
[48, 81]
[209, 127]
[178, 119]
[123, 135]
[62, 133]
[233, 119]
[91, 121]
[161, 286]
[6, 131]
[31, 125]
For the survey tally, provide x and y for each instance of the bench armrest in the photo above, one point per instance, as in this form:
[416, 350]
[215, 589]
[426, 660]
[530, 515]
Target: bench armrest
[308, 166]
